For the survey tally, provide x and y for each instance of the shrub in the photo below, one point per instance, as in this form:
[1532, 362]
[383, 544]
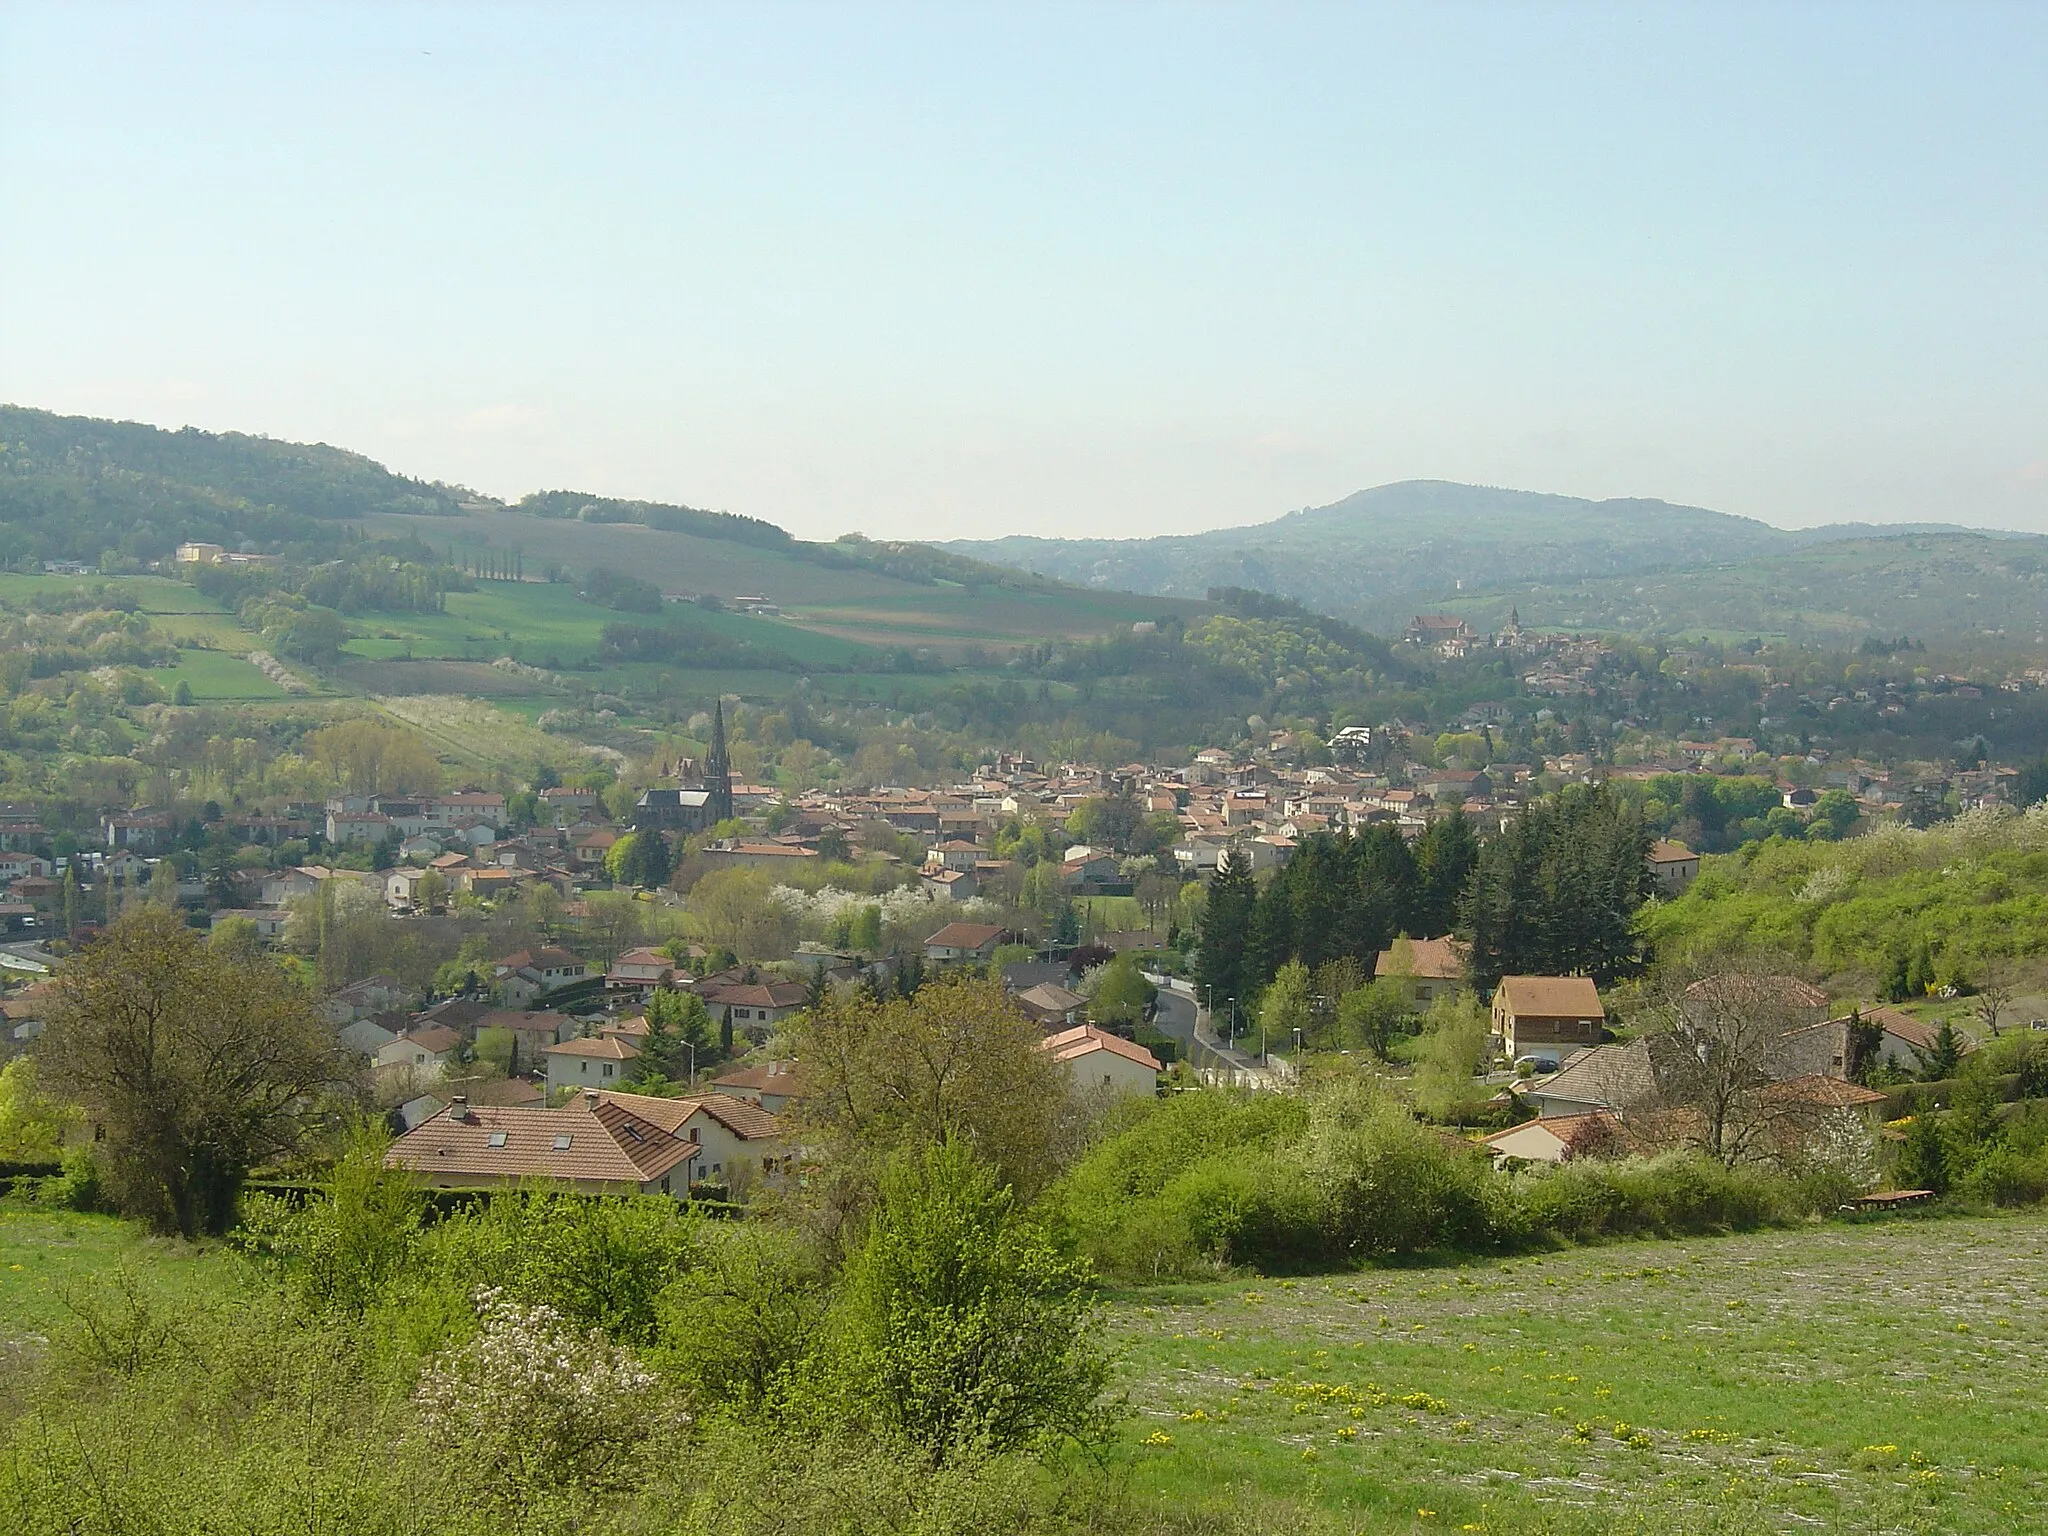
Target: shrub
[80, 1187]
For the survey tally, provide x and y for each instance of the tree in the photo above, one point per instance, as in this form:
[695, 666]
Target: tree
[1924, 1160]
[955, 1060]
[1285, 1008]
[1719, 1049]
[1445, 856]
[32, 1124]
[1454, 1047]
[368, 757]
[1371, 1014]
[960, 1329]
[1225, 924]
[679, 1039]
[1940, 1061]
[431, 894]
[1122, 994]
[638, 858]
[197, 1064]
[1994, 995]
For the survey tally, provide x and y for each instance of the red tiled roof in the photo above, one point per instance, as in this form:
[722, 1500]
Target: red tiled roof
[573, 1142]
[1084, 1039]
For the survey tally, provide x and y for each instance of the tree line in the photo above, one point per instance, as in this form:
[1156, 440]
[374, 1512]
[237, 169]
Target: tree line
[1556, 893]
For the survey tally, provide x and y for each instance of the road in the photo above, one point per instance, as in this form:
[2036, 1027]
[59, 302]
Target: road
[1181, 1019]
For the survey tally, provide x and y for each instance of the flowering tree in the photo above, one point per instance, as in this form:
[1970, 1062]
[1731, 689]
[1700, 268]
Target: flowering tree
[535, 1404]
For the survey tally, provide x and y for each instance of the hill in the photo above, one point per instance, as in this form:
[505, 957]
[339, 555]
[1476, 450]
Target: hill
[76, 488]
[1379, 555]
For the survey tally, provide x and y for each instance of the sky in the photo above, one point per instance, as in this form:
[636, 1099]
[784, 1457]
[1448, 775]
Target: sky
[957, 270]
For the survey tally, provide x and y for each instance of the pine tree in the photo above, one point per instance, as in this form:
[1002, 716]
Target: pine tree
[1445, 856]
[1226, 926]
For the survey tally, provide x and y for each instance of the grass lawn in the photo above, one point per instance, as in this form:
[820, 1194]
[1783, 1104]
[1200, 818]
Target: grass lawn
[218, 675]
[1876, 1377]
[155, 594]
[45, 1254]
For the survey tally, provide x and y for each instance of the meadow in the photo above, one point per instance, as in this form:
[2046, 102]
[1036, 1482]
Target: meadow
[1870, 1376]
[1856, 1375]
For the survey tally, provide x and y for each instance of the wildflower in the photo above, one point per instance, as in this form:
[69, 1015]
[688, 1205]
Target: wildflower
[1157, 1437]
[1308, 1453]
[1348, 1432]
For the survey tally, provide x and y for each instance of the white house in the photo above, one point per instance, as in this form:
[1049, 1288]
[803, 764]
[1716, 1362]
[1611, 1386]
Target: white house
[1096, 1059]
[592, 1063]
[425, 1052]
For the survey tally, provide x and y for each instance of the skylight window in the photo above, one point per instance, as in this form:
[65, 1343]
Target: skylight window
[562, 1141]
[496, 1138]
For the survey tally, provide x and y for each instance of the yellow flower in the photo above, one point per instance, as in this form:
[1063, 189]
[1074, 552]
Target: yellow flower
[1157, 1437]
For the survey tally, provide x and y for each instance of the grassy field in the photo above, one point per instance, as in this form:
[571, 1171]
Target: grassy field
[1867, 1377]
[46, 1256]
[216, 676]
[1873, 1377]
[154, 594]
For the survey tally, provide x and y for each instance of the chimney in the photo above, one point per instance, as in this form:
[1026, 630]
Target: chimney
[458, 1107]
[590, 1098]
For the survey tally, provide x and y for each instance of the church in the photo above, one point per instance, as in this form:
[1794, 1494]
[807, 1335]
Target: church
[689, 811]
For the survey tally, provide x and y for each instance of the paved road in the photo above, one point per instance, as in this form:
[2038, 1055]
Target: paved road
[1181, 1018]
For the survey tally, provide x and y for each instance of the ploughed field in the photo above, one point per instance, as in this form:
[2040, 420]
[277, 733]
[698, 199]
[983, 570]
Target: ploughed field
[1886, 1376]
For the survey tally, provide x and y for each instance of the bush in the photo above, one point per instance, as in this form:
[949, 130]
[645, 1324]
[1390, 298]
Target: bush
[2005, 1176]
[80, 1187]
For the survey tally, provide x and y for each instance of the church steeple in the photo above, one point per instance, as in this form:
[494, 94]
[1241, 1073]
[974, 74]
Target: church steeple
[718, 768]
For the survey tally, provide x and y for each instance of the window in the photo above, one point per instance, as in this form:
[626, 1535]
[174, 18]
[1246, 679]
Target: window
[496, 1138]
[562, 1141]
[607, 1069]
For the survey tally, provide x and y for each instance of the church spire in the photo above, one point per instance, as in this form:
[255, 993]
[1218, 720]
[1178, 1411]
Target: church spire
[718, 768]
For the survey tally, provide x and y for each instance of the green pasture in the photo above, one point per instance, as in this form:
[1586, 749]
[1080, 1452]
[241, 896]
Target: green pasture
[217, 675]
[153, 594]
[47, 1257]
[1878, 1377]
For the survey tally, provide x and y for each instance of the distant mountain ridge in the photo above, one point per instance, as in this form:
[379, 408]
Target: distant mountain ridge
[1378, 554]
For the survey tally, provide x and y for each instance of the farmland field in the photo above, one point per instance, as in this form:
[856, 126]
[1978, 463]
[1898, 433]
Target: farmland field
[1868, 1377]
[217, 675]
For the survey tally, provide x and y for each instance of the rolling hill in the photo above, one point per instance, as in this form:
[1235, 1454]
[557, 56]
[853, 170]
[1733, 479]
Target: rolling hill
[1378, 556]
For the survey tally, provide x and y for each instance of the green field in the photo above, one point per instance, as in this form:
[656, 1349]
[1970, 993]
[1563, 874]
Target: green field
[45, 1257]
[1873, 1376]
[216, 675]
[155, 594]
[1866, 1377]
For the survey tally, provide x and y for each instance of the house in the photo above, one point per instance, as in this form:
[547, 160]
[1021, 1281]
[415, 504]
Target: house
[1673, 867]
[1559, 1138]
[1901, 1040]
[345, 829]
[588, 850]
[591, 1147]
[640, 970]
[747, 853]
[1608, 1077]
[426, 1052]
[963, 944]
[18, 866]
[950, 884]
[1433, 968]
[1548, 1017]
[755, 1005]
[524, 975]
[140, 832]
[1099, 1061]
[1798, 1003]
[366, 1037]
[1051, 1005]
[1089, 869]
[955, 853]
[588, 1063]
[771, 1085]
[402, 888]
[1443, 632]
[360, 999]
[734, 1142]
[569, 805]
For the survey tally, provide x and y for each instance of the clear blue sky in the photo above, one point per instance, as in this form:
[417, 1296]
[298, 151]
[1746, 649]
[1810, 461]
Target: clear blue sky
[957, 269]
